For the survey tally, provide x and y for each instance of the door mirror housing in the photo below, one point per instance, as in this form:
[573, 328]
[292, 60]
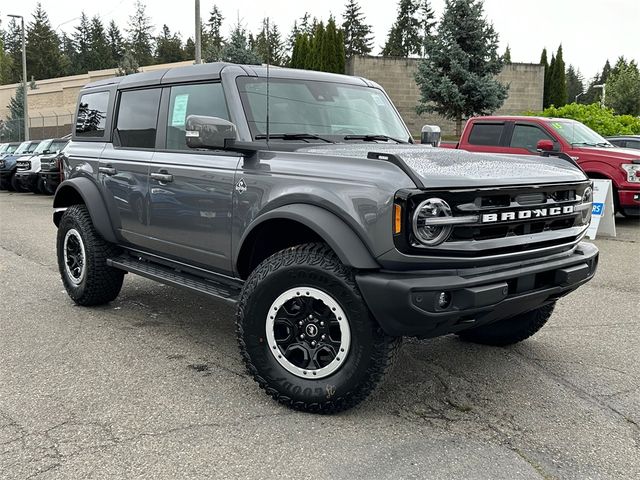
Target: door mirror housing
[545, 146]
[430, 135]
[208, 132]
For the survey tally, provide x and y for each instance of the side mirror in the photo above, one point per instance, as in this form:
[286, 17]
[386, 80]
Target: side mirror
[208, 132]
[545, 146]
[430, 135]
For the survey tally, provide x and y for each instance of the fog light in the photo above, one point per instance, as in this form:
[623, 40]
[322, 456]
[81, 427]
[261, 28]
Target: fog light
[444, 300]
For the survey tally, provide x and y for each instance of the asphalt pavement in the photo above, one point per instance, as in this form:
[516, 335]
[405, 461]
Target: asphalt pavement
[152, 386]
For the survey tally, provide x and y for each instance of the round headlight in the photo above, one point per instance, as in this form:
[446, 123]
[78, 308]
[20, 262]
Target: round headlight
[429, 222]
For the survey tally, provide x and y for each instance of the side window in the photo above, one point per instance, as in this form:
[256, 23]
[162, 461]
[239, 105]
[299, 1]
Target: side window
[528, 136]
[92, 114]
[204, 99]
[486, 134]
[633, 144]
[618, 143]
[138, 118]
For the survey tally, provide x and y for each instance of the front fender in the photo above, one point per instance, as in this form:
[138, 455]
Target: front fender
[82, 190]
[350, 249]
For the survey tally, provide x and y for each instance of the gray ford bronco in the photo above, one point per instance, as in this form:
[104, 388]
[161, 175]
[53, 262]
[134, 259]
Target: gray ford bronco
[300, 197]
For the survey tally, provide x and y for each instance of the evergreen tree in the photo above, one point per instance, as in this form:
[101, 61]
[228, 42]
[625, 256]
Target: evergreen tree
[13, 47]
[320, 50]
[168, 47]
[237, 50]
[127, 65]
[457, 77]
[301, 52]
[545, 64]
[116, 43]
[268, 45]
[575, 85]
[606, 71]
[43, 51]
[557, 81]
[99, 49]
[5, 63]
[404, 37]
[333, 50]
[190, 51]
[68, 54]
[623, 88]
[215, 41]
[506, 58]
[358, 36]
[81, 42]
[13, 129]
[593, 95]
[427, 24]
[140, 35]
[552, 67]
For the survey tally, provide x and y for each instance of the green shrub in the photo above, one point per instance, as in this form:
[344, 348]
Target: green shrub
[602, 120]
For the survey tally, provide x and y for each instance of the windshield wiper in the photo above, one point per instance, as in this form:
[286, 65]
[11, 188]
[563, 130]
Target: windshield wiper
[373, 138]
[588, 144]
[293, 136]
[604, 144]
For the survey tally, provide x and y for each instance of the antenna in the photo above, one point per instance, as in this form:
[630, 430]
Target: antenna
[268, 62]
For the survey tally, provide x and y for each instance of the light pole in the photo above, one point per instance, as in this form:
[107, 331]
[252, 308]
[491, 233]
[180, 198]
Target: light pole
[25, 102]
[198, 35]
[578, 96]
[603, 86]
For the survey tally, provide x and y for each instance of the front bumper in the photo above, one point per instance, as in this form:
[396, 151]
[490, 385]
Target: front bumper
[629, 201]
[406, 303]
[27, 179]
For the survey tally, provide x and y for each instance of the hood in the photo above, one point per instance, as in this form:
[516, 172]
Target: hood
[441, 167]
[617, 154]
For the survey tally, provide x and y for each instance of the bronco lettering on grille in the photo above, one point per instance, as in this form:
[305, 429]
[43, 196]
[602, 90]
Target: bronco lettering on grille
[527, 214]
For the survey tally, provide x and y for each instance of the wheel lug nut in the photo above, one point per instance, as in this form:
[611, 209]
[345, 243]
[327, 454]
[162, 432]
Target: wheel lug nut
[302, 337]
[310, 317]
[322, 324]
[323, 336]
[300, 323]
[313, 344]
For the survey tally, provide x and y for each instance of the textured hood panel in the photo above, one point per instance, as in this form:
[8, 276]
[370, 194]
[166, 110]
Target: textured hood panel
[446, 167]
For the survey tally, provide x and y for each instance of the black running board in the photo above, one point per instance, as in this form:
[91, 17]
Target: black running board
[225, 289]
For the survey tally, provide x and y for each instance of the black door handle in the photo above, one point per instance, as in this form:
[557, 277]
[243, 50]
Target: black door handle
[108, 170]
[162, 177]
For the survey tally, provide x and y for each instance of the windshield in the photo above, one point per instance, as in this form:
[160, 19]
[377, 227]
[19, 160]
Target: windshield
[57, 145]
[22, 148]
[318, 108]
[577, 133]
[42, 146]
[11, 148]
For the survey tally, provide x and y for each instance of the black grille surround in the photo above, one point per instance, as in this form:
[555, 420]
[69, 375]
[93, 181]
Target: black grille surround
[500, 237]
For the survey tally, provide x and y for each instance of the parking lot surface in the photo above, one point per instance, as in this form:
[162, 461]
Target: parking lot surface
[152, 386]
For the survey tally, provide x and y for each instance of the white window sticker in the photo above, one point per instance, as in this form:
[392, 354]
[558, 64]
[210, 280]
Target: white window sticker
[180, 110]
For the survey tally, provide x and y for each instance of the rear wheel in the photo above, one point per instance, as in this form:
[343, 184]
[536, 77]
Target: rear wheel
[82, 260]
[511, 330]
[306, 335]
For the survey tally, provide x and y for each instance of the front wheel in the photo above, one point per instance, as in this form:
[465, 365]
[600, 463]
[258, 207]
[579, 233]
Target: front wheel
[306, 335]
[82, 260]
[511, 330]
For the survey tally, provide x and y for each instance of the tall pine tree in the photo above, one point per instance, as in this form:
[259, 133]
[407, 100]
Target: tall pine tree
[545, 63]
[212, 49]
[116, 43]
[140, 35]
[81, 42]
[404, 37]
[268, 44]
[575, 85]
[43, 50]
[237, 50]
[168, 47]
[13, 47]
[428, 22]
[457, 77]
[358, 36]
[557, 81]
[100, 53]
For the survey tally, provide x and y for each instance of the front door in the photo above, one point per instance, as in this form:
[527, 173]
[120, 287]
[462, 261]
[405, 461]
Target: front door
[191, 191]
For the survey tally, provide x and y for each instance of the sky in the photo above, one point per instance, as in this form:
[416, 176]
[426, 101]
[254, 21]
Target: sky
[590, 31]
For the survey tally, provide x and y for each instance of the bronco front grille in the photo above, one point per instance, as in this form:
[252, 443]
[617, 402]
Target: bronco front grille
[508, 233]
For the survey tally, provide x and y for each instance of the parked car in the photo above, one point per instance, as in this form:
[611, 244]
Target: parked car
[27, 176]
[529, 135]
[50, 169]
[8, 164]
[625, 141]
[332, 232]
[8, 148]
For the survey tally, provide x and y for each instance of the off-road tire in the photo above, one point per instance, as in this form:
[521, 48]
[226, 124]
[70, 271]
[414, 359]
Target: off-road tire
[101, 283]
[371, 351]
[511, 330]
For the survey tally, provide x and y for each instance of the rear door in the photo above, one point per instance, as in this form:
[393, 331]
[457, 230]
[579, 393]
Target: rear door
[124, 164]
[191, 190]
[488, 136]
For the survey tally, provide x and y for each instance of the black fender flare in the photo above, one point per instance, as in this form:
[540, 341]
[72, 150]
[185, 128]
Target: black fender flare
[67, 195]
[350, 249]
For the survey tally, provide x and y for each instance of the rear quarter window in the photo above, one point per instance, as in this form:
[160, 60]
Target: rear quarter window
[92, 114]
[486, 134]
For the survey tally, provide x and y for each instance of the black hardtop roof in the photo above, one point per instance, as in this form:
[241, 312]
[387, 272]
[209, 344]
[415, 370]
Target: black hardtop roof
[212, 71]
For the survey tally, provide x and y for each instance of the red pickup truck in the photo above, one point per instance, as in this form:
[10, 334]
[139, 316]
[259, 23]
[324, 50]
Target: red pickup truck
[532, 135]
